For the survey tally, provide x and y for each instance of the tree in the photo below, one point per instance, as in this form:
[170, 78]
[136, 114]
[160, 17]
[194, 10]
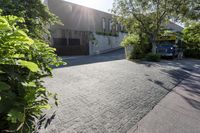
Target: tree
[36, 15]
[191, 37]
[151, 17]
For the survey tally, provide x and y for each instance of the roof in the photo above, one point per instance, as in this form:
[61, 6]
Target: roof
[174, 27]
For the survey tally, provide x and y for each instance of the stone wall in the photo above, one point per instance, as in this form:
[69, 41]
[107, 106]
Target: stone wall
[105, 43]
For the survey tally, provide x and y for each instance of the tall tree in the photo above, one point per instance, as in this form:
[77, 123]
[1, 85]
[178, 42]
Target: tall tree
[152, 16]
[191, 37]
[37, 16]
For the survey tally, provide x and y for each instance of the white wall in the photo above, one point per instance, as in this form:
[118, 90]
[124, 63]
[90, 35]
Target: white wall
[105, 43]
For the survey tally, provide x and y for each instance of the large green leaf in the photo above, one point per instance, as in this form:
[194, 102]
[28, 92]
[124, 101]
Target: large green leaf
[28, 96]
[15, 115]
[1, 71]
[30, 84]
[18, 56]
[4, 25]
[4, 86]
[46, 106]
[20, 36]
[30, 65]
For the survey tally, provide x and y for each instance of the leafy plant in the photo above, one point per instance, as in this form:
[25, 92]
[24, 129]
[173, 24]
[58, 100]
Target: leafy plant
[191, 37]
[92, 39]
[152, 16]
[153, 57]
[23, 64]
[37, 16]
[139, 43]
[131, 39]
[192, 53]
[107, 34]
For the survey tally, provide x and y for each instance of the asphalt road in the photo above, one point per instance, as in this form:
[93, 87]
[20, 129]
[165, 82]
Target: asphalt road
[106, 93]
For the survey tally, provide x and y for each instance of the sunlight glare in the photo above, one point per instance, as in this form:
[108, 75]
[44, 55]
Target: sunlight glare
[102, 5]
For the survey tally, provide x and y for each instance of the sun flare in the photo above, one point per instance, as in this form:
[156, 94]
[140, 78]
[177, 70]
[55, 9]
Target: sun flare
[102, 5]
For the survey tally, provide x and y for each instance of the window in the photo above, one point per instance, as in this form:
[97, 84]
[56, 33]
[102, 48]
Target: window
[110, 24]
[103, 24]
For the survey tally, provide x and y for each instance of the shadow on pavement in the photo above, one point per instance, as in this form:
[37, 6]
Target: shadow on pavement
[185, 64]
[191, 85]
[106, 57]
[187, 70]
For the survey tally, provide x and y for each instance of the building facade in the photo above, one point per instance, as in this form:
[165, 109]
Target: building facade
[84, 31]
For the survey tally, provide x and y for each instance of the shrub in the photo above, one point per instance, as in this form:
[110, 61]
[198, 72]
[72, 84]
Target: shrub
[116, 34]
[99, 33]
[139, 43]
[192, 53]
[191, 36]
[107, 34]
[136, 53]
[23, 64]
[153, 57]
[130, 39]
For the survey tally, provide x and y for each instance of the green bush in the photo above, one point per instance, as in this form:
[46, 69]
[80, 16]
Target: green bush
[23, 64]
[139, 43]
[116, 34]
[136, 53]
[107, 34]
[192, 53]
[130, 39]
[191, 36]
[153, 57]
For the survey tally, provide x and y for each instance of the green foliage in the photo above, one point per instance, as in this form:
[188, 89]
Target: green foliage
[116, 34]
[131, 39]
[139, 43]
[152, 16]
[107, 34]
[23, 62]
[191, 37]
[192, 53]
[136, 53]
[37, 16]
[124, 31]
[153, 57]
[92, 39]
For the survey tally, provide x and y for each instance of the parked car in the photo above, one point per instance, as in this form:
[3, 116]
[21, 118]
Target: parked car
[168, 45]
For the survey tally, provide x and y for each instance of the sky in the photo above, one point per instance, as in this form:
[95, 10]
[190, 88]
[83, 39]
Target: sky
[102, 5]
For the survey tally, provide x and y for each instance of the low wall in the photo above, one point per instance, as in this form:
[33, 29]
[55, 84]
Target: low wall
[105, 43]
[128, 50]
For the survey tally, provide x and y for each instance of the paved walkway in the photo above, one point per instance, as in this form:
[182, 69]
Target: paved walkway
[178, 112]
[109, 94]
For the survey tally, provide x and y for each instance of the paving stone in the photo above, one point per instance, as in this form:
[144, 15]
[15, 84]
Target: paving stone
[112, 94]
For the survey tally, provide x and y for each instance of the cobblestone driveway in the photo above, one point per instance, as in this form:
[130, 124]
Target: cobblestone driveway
[106, 93]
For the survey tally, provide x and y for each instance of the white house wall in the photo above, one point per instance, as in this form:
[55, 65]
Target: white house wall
[105, 43]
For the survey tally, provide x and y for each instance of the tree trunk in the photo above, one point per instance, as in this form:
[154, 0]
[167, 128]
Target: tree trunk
[153, 42]
[154, 47]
